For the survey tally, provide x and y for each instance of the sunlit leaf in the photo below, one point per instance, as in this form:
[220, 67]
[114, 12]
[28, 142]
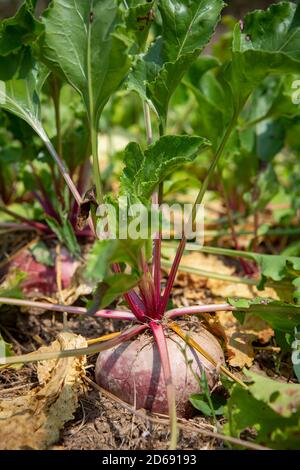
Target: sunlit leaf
[269, 407]
[145, 170]
[280, 315]
[267, 43]
[84, 43]
[187, 26]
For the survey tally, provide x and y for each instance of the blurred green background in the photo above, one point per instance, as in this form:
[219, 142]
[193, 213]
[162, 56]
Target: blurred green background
[235, 7]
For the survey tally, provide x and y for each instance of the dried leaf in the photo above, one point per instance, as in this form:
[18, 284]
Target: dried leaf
[89, 200]
[241, 337]
[34, 421]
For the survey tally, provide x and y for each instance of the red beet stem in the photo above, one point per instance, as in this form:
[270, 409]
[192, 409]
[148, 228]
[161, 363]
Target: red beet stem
[113, 314]
[159, 336]
[198, 309]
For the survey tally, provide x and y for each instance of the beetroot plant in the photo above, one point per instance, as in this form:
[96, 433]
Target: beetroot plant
[147, 48]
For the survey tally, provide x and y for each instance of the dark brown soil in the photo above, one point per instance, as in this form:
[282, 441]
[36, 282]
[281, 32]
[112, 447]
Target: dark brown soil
[101, 424]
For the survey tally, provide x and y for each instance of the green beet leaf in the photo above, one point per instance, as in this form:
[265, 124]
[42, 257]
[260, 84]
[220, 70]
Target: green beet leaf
[84, 43]
[145, 170]
[115, 286]
[21, 79]
[285, 400]
[106, 252]
[139, 18]
[281, 316]
[267, 43]
[270, 408]
[17, 35]
[110, 286]
[213, 116]
[187, 26]
[20, 96]
[200, 402]
[279, 271]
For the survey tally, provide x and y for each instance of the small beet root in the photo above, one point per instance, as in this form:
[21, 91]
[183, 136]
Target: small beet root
[132, 371]
[41, 280]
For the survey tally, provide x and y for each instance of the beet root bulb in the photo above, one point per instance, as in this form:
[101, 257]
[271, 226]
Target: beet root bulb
[132, 371]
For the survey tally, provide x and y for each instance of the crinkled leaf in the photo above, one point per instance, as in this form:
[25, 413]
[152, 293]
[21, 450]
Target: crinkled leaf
[17, 34]
[139, 18]
[187, 26]
[21, 79]
[34, 420]
[84, 43]
[145, 71]
[280, 315]
[145, 170]
[268, 43]
[269, 407]
[278, 267]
